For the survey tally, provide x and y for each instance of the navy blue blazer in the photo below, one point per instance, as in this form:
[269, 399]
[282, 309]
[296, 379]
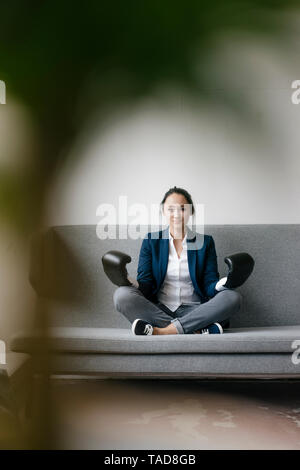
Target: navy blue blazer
[154, 257]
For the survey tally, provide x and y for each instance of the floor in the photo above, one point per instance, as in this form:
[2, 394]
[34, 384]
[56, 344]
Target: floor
[157, 414]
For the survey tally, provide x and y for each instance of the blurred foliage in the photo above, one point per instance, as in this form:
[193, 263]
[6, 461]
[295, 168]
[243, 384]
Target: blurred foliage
[65, 60]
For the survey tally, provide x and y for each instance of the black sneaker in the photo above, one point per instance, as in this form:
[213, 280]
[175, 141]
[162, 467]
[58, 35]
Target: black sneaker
[141, 327]
[213, 329]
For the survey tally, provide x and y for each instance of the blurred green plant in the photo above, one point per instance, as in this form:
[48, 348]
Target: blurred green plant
[65, 61]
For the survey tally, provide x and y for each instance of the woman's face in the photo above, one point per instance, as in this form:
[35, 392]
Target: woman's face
[176, 213]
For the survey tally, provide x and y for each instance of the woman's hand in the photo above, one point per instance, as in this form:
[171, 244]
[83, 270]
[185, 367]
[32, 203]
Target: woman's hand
[220, 284]
[134, 282]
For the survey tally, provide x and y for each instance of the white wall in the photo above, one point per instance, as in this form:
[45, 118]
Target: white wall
[243, 166]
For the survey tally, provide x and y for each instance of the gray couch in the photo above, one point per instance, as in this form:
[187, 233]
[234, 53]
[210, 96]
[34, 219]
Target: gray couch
[88, 336]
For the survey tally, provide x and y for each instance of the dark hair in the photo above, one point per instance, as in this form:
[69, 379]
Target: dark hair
[178, 191]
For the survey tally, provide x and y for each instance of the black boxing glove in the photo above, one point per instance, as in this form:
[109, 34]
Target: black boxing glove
[114, 265]
[240, 267]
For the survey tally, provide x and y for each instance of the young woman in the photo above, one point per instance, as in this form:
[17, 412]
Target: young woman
[178, 290]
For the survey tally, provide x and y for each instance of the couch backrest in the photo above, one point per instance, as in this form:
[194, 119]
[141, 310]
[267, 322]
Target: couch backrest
[66, 271]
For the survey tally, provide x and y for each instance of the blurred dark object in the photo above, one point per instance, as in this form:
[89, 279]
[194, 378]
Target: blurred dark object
[240, 267]
[114, 265]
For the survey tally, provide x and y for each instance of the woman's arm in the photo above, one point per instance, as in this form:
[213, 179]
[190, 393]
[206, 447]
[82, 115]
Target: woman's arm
[211, 275]
[145, 277]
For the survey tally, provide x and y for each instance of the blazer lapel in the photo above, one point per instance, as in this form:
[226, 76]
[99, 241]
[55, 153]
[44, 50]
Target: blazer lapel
[194, 241]
[191, 256]
[164, 254]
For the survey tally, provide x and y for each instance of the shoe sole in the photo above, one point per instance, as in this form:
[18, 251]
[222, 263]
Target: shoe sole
[133, 326]
[220, 326]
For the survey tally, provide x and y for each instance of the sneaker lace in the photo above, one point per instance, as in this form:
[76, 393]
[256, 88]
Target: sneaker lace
[148, 329]
[204, 331]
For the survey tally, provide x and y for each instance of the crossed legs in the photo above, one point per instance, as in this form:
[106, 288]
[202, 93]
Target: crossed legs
[130, 301]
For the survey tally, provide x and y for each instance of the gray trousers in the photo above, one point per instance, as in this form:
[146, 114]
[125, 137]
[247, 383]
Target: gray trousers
[188, 318]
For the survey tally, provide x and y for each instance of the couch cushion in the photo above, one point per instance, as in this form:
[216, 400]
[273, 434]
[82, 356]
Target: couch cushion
[247, 365]
[277, 339]
[66, 267]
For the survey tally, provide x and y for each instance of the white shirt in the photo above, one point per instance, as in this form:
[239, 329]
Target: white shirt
[177, 287]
